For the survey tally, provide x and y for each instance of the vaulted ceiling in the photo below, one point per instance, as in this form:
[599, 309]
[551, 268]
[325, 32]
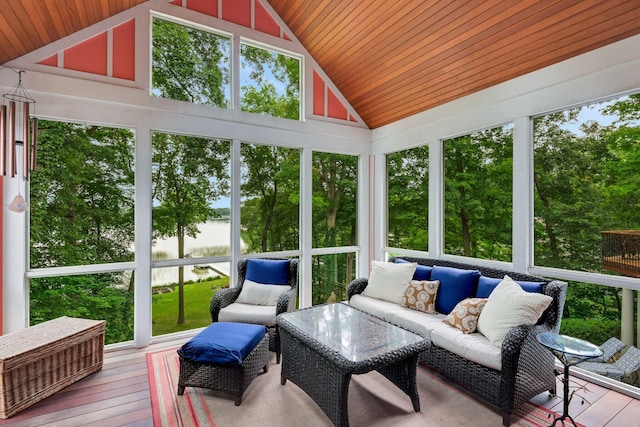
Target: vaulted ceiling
[390, 59]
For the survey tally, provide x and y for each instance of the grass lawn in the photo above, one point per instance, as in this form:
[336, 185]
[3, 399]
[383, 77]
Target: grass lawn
[164, 307]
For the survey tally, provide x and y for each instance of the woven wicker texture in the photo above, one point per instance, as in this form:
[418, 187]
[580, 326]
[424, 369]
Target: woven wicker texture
[228, 378]
[527, 367]
[43, 359]
[286, 301]
[324, 373]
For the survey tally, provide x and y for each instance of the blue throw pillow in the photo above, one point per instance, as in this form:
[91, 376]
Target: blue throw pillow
[456, 284]
[486, 285]
[268, 271]
[423, 272]
[223, 342]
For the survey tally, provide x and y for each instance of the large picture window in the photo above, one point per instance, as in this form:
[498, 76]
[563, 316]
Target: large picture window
[408, 199]
[190, 65]
[81, 213]
[269, 82]
[190, 213]
[478, 171]
[270, 194]
[586, 163]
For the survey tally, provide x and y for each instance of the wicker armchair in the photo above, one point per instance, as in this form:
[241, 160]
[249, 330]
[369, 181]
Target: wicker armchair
[527, 367]
[223, 305]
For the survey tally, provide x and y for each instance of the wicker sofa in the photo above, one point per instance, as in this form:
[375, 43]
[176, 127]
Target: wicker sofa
[527, 368]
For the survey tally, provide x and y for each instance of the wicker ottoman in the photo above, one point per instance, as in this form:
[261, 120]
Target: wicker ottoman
[225, 356]
[42, 359]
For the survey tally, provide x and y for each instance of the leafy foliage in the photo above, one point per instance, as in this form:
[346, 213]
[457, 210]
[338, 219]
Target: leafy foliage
[189, 174]
[81, 213]
[477, 194]
[190, 65]
[270, 83]
[408, 199]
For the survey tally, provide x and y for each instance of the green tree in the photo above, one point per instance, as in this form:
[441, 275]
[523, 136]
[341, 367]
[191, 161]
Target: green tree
[408, 199]
[334, 222]
[270, 83]
[189, 173]
[190, 65]
[478, 196]
[271, 193]
[81, 212]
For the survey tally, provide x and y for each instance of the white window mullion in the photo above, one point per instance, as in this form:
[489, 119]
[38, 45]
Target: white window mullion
[143, 239]
[436, 198]
[236, 177]
[306, 234]
[522, 218]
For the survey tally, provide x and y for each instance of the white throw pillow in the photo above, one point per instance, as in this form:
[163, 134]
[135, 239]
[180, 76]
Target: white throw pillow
[260, 293]
[389, 281]
[509, 306]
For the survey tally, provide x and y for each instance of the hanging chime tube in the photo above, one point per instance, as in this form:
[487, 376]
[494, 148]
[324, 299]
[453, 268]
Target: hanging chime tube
[26, 141]
[3, 139]
[11, 138]
[34, 141]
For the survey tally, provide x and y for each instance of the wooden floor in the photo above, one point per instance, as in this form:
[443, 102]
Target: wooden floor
[119, 396]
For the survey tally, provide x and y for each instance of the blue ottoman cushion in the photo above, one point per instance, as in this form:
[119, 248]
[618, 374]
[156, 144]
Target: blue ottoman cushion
[223, 343]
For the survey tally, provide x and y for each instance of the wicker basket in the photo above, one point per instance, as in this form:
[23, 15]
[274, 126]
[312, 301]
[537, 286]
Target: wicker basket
[43, 359]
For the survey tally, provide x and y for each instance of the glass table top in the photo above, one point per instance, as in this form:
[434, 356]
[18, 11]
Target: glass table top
[569, 350]
[355, 335]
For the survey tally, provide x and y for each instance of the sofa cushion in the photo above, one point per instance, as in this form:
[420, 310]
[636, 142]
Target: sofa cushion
[474, 347]
[509, 306]
[455, 285]
[249, 313]
[269, 271]
[416, 321]
[421, 295]
[486, 285]
[389, 281]
[260, 293]
[423, 272]
[375, 306]
[464, 315]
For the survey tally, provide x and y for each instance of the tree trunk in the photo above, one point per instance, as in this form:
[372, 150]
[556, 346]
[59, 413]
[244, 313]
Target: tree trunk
[180, 275]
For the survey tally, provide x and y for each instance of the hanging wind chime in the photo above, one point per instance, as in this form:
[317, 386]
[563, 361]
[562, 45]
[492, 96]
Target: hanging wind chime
[17, 128]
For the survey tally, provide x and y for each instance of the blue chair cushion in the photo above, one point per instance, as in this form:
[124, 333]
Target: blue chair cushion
[223, 343]
[456, 284]
[268, 271]
[423, 272]
[486, 285]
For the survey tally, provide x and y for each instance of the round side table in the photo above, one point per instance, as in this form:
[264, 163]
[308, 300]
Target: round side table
[570, 351]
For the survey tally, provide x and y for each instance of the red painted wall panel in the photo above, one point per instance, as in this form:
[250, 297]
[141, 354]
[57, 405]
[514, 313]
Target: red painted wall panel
[124, 51]
[89, 56]
[264, 22]
[237, 11]
[208, 7]
[52, 61]
[335, 108]
[318, 94]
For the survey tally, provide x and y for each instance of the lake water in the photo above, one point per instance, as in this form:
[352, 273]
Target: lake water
[213, 238]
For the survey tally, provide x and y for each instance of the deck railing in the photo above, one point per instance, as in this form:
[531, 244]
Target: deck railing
[621, 252]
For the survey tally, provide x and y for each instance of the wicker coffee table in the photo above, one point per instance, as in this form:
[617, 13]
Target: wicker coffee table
[323, 346]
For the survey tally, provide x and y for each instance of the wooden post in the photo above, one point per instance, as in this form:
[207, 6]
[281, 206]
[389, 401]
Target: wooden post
[626, 328]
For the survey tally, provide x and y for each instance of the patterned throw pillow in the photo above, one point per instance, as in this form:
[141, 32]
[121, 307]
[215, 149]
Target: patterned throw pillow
[464, 315]
[421, 295]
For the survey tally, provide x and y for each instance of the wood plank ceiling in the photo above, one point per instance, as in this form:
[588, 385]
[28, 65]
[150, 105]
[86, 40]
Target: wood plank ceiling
[390, 59]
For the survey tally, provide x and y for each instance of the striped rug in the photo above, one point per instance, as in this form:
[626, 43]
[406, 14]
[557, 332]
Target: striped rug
[373, 401]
